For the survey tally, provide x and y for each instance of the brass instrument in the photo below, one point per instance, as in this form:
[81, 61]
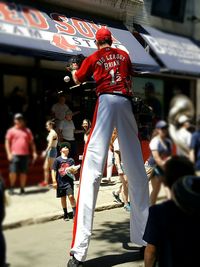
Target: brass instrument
[179, 105]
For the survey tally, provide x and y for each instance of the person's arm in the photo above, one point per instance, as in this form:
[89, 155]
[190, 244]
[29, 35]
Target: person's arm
[53, 177]
[153, 235]
[33, 149]
[192, 155]
[60, 131]
[8, 150]
[50, 143]
[192, 148]
[149, 255]
[158, 159]
[76, 112]
[78, 131]
[85, 71]
[75, 77]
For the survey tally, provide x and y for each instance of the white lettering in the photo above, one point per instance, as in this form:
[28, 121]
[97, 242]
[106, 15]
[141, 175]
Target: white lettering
[153, 42]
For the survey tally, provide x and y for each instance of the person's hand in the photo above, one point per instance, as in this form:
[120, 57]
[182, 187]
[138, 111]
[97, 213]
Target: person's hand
[73, 171]
[54, 185]
[10, 157]
[34, 156]
[43, 154]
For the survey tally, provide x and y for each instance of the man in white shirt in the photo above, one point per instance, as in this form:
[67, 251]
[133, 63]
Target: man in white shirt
[183, 136]
[60, 109]
[66, 130]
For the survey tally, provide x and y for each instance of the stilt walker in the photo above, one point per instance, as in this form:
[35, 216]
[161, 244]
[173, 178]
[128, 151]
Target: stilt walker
[111, 69]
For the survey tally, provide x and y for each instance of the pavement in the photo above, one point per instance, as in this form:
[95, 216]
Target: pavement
[40, 205]
[48, 244]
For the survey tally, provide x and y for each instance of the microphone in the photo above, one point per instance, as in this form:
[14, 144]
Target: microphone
[67, 79]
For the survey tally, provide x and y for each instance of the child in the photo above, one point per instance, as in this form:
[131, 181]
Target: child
[63, 171]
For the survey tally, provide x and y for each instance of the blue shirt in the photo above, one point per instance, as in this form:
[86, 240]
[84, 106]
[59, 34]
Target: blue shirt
[60, 165]
[173, 232]
[164, 148]
[195, 144]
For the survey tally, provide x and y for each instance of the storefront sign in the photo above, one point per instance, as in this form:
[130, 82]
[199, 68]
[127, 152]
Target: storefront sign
[62, 32]
[177, 53]
[68, 34]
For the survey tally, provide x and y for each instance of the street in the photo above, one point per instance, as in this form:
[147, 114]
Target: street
[47, 245]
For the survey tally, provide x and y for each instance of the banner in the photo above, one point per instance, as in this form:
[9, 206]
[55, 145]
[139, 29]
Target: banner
[65, 32]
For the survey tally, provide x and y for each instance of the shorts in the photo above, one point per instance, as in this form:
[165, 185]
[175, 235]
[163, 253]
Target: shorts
[68, 190]
[19, 164]
[151, 171]
[52, 153]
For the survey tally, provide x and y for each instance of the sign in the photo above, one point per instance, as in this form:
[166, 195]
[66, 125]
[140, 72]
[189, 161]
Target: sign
[177, 53]
[62, 32]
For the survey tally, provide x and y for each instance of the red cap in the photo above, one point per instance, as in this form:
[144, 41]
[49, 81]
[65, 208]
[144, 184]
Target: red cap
[103, 34]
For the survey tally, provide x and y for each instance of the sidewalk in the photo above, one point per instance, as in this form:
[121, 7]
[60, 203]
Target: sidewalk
[40, 205]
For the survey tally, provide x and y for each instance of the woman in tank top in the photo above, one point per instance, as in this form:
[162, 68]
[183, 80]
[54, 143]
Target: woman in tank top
[50, 153]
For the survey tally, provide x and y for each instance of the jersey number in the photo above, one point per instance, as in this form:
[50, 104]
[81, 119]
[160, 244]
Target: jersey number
[112, 74]
[115, 76]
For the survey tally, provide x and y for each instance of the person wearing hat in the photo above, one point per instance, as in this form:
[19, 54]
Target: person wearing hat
[172, 231]
[183, 136]
[19, 144]
[111, 69]
[195, 148]
[161, 149]
[62, 174]
[66, 131]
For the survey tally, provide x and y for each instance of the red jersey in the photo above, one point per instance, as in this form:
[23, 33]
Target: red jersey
[111, 69]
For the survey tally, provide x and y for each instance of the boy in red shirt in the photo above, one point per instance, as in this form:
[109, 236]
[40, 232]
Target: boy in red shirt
[111, 69]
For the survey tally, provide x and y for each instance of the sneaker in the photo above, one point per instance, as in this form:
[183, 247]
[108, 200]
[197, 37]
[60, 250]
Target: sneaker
[74, 263]
[66, 217]
[11, 191]
[116, 196]
[22, 191]
[127, 207]
[43, 184]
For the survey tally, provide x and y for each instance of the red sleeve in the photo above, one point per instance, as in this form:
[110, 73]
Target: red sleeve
[85, 71]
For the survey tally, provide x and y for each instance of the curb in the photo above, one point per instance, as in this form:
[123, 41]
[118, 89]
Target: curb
[52, 217]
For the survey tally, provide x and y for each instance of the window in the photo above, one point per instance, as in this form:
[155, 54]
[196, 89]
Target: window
[170, 9]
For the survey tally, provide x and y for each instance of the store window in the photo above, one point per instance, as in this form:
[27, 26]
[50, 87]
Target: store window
[152, 92]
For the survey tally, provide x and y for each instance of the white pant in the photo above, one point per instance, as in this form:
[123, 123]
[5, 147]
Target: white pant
[111, 111]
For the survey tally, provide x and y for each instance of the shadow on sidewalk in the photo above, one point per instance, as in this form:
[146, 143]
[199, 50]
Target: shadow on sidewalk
[114, 233]
[113, 260]
[37, 190]
[107, 184]
[31, 191]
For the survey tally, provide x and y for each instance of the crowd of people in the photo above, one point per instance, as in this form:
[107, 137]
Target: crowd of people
[164, 229]
[60, 169]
